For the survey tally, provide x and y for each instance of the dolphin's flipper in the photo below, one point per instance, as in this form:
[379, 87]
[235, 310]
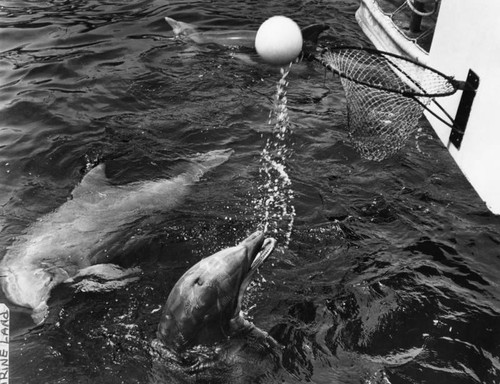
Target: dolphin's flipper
[239, 324]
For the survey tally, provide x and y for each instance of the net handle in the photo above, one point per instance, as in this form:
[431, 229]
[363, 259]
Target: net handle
[450, 123]
[456, 85]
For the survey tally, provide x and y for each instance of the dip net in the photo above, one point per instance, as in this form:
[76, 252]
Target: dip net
[386, 95]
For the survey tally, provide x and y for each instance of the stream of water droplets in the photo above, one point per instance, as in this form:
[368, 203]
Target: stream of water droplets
[276, 194]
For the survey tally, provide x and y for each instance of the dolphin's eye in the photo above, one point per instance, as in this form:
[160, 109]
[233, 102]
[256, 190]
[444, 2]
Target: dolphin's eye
[198, 281]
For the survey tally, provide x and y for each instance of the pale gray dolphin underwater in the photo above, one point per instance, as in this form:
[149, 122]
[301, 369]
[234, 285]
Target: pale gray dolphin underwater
[82, 232]
[237, 38]
[205, 303]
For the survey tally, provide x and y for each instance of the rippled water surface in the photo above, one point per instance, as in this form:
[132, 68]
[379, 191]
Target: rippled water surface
[391, 272]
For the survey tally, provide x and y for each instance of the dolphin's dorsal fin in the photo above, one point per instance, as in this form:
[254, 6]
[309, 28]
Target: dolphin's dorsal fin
[310, 36]
[312, 32]
[93, 182]
[179, 27]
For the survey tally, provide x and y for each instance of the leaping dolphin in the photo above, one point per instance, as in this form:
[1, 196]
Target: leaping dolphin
[205, 304]
[83, 231]
[237, 38]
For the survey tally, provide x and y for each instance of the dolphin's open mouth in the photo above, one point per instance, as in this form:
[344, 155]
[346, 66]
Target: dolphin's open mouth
[263, 248]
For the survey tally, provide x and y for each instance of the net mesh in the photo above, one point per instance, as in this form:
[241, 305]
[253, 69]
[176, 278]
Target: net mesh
[385, 95]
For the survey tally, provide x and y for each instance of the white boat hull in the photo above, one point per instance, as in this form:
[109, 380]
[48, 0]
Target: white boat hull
[466, 37]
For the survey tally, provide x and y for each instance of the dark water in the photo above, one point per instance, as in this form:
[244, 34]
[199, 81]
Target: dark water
[391, 273]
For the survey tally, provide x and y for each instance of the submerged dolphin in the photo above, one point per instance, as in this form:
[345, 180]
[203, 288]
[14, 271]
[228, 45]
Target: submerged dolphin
[205, 304]
[83, 231]
[237, 38]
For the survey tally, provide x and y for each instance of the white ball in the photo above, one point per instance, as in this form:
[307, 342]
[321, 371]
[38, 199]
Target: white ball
[278, 40]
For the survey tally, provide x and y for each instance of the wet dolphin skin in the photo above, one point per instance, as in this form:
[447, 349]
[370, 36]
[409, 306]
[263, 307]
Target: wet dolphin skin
[205, 304]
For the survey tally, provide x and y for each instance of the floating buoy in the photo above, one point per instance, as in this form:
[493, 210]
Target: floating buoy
[278, 40]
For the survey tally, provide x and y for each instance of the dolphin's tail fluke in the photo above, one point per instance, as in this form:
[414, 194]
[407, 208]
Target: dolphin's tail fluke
[202, 163]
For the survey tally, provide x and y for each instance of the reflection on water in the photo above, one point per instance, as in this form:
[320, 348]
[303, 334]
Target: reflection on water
[391, 271]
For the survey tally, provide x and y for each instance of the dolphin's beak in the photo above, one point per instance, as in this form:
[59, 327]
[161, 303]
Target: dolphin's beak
[253, 244]
[258, 249]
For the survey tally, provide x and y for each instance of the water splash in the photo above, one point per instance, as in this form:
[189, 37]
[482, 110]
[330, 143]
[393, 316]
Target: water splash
[276, 194]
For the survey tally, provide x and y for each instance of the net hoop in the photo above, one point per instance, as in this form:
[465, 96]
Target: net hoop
[413, 76]
[386, 95]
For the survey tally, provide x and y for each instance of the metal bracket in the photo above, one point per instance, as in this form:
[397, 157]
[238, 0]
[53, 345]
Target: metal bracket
[464, 108]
